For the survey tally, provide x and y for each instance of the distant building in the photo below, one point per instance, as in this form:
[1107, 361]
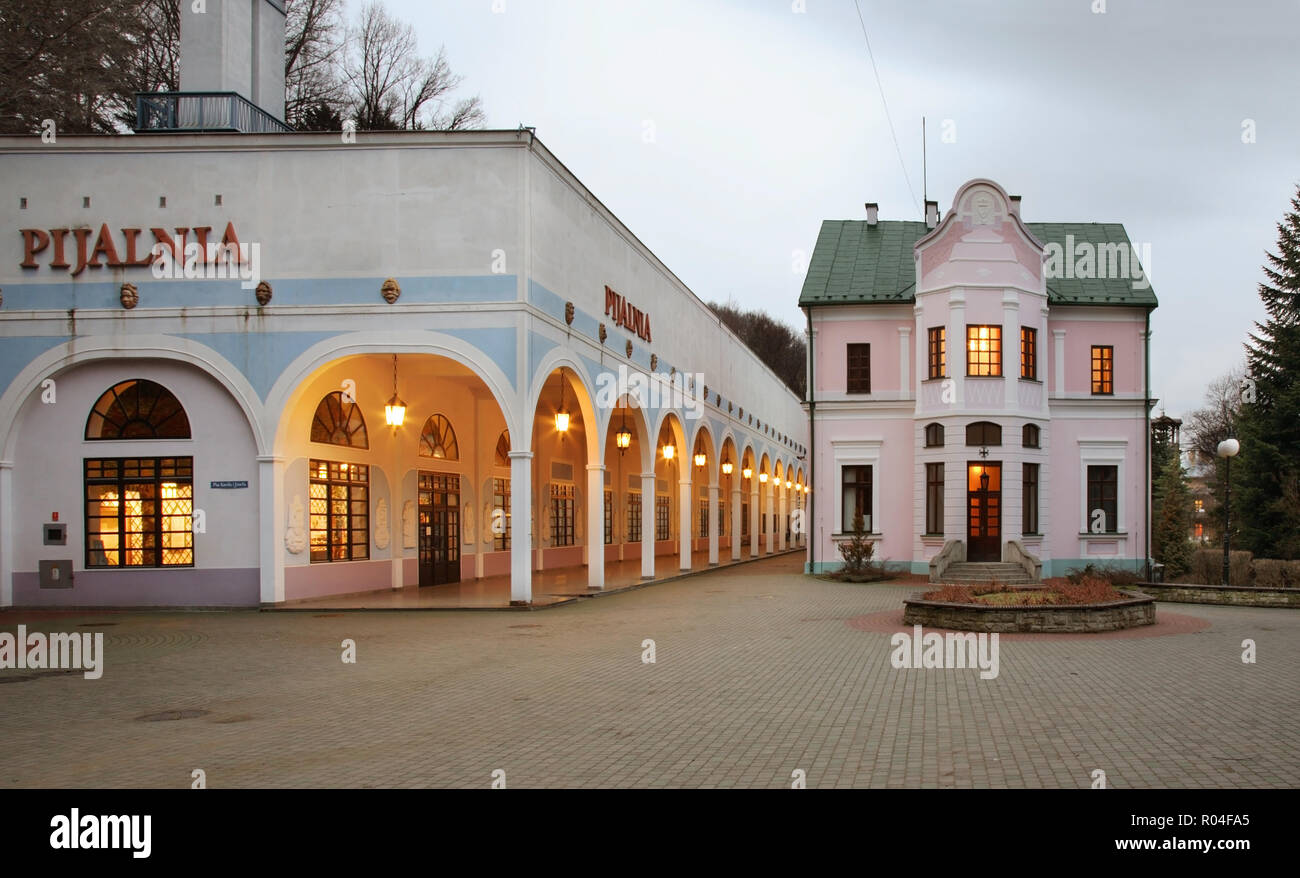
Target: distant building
[979, 388]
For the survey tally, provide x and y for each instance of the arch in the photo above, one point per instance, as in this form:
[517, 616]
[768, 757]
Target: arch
[137, 409]
[702, 443]
[669, 421]
[983, 433]
[501, 456]
[62, 358]
[288, 388]
[629, 413]
[727, 454]
[438, 439]
[580, 382]
[338, 420]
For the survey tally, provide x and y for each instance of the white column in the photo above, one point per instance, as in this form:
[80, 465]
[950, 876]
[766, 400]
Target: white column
[781, 493]
[648, 525]
[770, 512]
[1011, 350]
[713, 524]
[736, 524]
[271, 524]
[1044, 396]
[1058, 357]
[595, 525]
[7, 533]
[521, 527]
[921, 354]
[904, 361]
[684, 522]
[955, 345]
[753, 519]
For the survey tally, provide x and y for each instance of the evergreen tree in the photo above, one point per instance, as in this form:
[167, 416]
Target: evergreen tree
[1266, 485]
[1173, 519]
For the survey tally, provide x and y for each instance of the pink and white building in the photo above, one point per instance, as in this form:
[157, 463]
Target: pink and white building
[979, 389]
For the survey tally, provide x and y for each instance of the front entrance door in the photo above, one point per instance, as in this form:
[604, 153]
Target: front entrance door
[439, 528]
[984, 512]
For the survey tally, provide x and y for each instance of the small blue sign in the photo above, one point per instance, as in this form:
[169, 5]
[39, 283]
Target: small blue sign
[225, 486]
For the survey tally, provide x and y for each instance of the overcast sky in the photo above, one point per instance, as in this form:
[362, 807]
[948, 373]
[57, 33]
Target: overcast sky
[723, 133]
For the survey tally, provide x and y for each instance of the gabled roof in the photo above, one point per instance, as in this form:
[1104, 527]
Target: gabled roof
[855, 263]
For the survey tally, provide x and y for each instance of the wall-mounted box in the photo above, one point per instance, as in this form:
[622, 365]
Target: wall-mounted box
[56, 533]
[56, 574]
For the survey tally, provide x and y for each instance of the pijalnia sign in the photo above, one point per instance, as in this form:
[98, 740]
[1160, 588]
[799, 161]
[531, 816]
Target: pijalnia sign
[75, 250]
[627, 316]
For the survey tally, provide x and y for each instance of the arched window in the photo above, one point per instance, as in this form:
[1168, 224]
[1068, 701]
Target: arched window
[138, 409]
[339, 422]
[1029, 436]
[438, 439]
[983, 433]
[503, 448]
[934, 435]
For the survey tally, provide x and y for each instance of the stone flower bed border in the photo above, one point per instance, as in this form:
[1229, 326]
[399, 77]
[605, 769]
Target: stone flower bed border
[1230, 595]
[1136, 610]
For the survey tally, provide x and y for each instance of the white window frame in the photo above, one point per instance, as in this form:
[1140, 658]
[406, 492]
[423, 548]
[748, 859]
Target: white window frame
[1102, 452]
[857, 452]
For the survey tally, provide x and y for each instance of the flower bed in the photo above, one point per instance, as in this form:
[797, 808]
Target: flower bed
[1090, 605]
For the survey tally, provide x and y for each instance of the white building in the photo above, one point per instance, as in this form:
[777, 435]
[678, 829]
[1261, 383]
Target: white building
[221, 440]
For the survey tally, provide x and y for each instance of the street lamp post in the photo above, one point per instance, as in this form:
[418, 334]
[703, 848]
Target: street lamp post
[1227, 449]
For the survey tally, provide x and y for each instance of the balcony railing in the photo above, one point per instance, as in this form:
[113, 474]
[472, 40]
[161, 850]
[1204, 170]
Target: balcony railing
[168, 111]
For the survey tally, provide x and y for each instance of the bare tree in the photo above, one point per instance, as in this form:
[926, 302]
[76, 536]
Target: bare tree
[1216, 420]
[66, 60]
[390, 86]
[314, 37]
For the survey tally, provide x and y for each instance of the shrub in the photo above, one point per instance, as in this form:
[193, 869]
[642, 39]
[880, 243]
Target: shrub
[1271, 573]
[1089, 589]
[1111, 575]
[1207, 568]
[857, 550]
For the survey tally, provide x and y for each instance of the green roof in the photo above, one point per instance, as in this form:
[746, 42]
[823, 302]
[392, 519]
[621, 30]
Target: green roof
[855, 263]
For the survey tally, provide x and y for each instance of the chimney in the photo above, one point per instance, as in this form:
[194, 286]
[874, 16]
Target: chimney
[873, 213]
[1015, 205]
[931, 214]
[235, 45]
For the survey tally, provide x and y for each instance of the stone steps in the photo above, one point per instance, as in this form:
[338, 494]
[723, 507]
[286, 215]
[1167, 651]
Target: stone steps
[972, 573]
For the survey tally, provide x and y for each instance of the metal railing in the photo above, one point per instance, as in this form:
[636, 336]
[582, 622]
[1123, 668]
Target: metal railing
[167, 111]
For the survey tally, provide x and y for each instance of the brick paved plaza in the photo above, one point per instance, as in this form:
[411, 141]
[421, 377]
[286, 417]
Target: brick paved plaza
[759, 672]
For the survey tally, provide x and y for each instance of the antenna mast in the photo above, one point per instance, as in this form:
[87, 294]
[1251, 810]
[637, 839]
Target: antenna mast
[925, 191]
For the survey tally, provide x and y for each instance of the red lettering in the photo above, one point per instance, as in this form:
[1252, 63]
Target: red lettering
[83, 239]
[160, 236]
[131, 258]
[228, 239]
[57, 235]
[202, 234]
[34, 241]
[104, 245]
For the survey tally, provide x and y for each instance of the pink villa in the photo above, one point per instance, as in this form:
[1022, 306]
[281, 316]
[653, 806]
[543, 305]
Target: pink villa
[979, 391]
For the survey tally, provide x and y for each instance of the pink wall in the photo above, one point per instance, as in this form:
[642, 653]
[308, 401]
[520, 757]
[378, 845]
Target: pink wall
[345, 577]
[1081, 335]
[833, 338]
